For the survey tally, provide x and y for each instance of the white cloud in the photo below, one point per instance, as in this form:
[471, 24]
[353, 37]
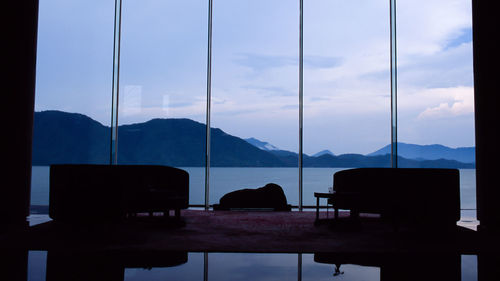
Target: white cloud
[452, 102]
[425, 27]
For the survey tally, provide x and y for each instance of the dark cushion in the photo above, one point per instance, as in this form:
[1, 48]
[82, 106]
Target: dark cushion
[270, 196]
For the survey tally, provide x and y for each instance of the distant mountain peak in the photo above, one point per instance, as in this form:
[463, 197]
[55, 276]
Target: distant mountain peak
[261, 144]
[430, 152]
[323, 152]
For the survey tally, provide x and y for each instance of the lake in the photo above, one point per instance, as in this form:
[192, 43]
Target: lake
[224, 180]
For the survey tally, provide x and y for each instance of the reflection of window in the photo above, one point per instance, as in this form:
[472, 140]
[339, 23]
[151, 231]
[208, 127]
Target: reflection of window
[259, 266]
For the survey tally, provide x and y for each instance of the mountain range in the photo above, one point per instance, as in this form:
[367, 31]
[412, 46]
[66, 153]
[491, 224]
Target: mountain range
[61, 137]
[431, 152]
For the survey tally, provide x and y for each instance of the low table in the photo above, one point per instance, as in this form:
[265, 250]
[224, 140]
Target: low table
[327, 196]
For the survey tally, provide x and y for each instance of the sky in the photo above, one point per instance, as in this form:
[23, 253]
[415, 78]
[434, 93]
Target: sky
[255, 72]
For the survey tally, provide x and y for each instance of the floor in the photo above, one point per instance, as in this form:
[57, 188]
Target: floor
[243, 231]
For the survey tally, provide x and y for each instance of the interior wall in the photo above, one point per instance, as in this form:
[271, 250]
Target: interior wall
[17, 109]
[487, 118]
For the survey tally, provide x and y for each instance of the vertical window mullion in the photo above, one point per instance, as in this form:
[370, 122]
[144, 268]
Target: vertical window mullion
[209, 98]
[394, 87]
[116, 83]
[301, 96]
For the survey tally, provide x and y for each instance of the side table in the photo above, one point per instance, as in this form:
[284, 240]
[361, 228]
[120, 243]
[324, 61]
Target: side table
[327, 196]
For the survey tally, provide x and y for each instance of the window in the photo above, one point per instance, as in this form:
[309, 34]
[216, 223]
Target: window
[162, 99]
[436, 91]
[73, 101]
[254, 96]
[162, 84]
[347, 90]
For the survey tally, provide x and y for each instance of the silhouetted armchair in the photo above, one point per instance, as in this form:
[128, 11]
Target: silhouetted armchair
[424, 196]
[95, 193]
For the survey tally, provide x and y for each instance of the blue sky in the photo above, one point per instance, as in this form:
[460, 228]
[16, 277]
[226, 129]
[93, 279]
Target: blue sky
[255, 68]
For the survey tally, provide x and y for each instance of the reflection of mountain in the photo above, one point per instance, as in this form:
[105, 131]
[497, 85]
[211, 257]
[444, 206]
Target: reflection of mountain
[61, 137]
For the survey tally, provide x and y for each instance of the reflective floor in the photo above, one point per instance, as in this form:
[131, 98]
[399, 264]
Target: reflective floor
[43, 265]
[252, 266]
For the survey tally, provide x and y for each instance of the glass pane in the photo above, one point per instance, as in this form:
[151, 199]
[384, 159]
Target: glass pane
[162, 100]
[436, 94]
[73, 88]
[346, 89]
[254, 96]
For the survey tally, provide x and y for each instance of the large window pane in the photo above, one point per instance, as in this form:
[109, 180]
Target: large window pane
[163, 87]
[255, 79]
[347, 106]
[73, 87]
[436, 94]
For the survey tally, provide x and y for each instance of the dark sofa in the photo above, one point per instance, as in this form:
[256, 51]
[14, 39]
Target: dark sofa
[422, 196]
[96, 193]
